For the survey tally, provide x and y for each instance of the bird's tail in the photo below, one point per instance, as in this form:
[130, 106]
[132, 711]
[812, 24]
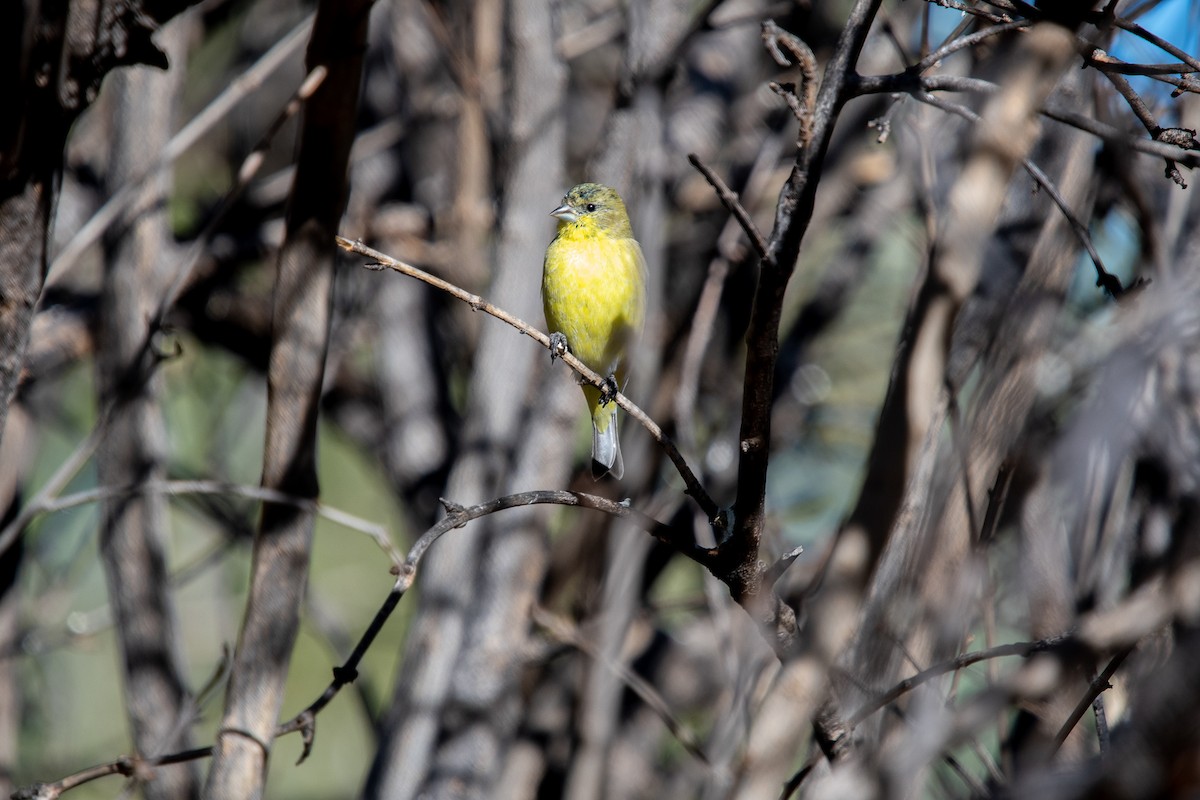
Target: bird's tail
[606, 444]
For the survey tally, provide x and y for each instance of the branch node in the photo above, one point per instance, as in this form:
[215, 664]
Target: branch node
[343, 675]
[1184, 138]
[451, 506]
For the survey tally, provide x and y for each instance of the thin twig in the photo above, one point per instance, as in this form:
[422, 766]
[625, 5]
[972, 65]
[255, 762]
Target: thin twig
[210, 487]
[1111, 283]
[456, 517]
[1095, 689]
[201, 124]
[406, 572]
[912, 84]
[730, 200]
[694, 488]
[1102, 61]
[1158, 41]
[1114, 135]
[61, 477]
[566, 632]
[1022, 649]
[970, 40]
[703, 319]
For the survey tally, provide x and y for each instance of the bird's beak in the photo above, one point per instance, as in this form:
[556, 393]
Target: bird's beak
[565, 213]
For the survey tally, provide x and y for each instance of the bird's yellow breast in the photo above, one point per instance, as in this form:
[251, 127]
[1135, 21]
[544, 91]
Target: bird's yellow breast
[593, 290]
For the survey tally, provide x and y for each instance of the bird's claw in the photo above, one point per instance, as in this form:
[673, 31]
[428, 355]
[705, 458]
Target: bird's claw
[558, 345]
[608, 392]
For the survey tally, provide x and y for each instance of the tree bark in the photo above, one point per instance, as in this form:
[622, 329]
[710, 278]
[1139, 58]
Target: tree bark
[301, 322]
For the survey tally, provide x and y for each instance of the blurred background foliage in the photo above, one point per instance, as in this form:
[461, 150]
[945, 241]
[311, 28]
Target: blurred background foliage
[429, 64]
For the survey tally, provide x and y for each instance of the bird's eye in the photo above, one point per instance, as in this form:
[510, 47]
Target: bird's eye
[591, 206]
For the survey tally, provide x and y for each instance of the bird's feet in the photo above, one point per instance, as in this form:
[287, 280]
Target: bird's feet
[558, 345]
[608, 392]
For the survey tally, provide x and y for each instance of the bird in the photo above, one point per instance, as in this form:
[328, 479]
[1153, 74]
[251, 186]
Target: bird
[594, 297]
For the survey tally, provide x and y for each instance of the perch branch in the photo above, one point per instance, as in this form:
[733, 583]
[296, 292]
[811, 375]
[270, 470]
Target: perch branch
[694, 488]
[406, 572]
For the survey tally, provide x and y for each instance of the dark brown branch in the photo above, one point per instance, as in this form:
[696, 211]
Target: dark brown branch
[730, 200]
[1111, 283]
[792, 216]
[1095, 689]
[962, 42]
[1146, 117]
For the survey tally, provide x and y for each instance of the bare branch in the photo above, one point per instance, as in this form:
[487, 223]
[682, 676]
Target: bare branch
[565, 631]
[301, 317]
[1095, 689]
[730, 200]
[1022, 649]
[792, 216]
[694, 488]
[1110, 282]
[805, 106]
[201, 124]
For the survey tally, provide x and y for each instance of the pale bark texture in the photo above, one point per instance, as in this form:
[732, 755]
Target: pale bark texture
[910, 501]
[300, 339]
[131, 452]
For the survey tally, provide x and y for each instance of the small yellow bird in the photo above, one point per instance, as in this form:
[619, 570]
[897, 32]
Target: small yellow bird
[594, 295]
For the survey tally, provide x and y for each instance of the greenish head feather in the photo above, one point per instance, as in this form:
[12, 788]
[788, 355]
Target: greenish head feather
[593, 205]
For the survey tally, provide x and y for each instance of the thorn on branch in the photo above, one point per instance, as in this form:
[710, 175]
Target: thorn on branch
[1186, 84]
[450, 506]
[773, 573]
[454, 509]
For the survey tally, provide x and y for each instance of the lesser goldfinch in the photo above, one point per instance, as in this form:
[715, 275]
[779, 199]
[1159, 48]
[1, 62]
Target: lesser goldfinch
[594, 294]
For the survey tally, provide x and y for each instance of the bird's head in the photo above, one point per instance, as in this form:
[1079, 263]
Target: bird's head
[594, 206]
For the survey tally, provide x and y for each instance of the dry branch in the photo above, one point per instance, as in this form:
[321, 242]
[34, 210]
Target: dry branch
[301, 320]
